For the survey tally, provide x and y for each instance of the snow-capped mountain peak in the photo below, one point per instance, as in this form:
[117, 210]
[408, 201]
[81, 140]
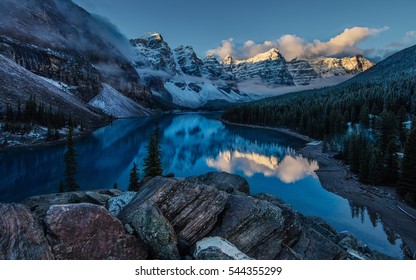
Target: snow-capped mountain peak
[272, 54]
[228, 60]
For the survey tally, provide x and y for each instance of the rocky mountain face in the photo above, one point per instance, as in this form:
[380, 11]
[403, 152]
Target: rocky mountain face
[59, 40]
[269, 67]
[179, 77]
[189, 81]
[212, 216]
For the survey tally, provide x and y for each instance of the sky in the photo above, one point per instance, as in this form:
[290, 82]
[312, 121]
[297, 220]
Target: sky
[244, 28]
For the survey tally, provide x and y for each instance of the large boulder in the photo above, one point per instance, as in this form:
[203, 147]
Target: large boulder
[89, 232]
[156, 231]
[357, 250]
[192, 209]
[40, 204]
[217, 248]
[254, 226]
[21, 237]
[224, 181]
[115, 204]
[292, 219]
[314, 246]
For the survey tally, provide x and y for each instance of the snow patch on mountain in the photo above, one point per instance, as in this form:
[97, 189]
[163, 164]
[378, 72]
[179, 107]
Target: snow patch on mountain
[194, 92]
[115, 104]
[62, 86]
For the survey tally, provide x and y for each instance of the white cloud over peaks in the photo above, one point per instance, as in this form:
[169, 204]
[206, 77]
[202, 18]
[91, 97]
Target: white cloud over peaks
[293, 46]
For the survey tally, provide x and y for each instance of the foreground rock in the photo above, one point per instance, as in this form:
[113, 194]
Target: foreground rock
[217, 248]
[292, 227]
[156, 231]
[40, 204]
[21, 237]
[89, 232]
[223, 181]
[168, 218]
[254, 226]
[115, 204]
[192, 209]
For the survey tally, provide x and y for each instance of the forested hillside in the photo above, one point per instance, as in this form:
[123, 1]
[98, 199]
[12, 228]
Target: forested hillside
[367, 120]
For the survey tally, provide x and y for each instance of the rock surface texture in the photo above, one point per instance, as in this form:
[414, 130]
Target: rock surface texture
[21, 237]
[89, 232]
[211, 216]
[156, 231]
[192, 209]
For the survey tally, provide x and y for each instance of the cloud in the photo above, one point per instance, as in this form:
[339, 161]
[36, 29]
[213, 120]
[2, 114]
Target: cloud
[227, 48]
[291, 46]
[410, 36]
[378, 54]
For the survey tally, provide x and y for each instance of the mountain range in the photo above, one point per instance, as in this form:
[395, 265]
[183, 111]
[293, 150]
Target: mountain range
[181, 76]
[70, 54]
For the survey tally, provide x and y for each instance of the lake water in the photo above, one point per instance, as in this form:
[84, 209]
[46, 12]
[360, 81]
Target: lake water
[193, 144]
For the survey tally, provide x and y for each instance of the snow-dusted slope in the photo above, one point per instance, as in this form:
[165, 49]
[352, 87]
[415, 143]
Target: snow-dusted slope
[302, 72]
[329, 67]
[18, 84]
[115, 104]
[191, 92]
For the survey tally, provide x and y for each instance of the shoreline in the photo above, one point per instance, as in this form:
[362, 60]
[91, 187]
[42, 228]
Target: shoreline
[41, 145]
[336, 178]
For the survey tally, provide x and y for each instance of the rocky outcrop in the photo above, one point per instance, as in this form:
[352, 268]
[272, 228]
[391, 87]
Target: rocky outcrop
[88, 232]
[254, 226]
[301, 71]
[156, 231]
[171, 218]
[192, 209]
[40, 204]
[188, 61]
[217, 248]
[314, 246]
[153, 52]
[223, 181]
[292, 227]
[329, 67]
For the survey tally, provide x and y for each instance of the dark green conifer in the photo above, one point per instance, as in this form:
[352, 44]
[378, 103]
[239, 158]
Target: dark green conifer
[153, 163]
[407, 184]
[134, 179]
[70, 163]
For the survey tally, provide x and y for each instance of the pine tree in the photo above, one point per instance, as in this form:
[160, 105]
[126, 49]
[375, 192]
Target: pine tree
[153, 163]
[407, 184]
[134, 179]
[70, 164]
[375, 168]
